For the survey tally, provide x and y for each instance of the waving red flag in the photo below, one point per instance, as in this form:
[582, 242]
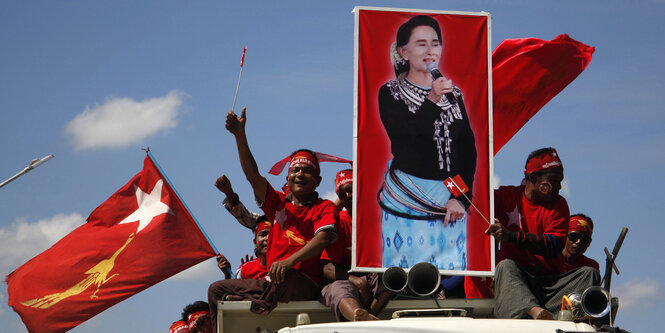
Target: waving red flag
[526, 74]
[139, 236]
[456, 185]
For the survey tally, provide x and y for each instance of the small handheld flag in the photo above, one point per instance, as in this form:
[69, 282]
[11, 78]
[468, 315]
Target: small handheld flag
[457, 188]
[242, 62]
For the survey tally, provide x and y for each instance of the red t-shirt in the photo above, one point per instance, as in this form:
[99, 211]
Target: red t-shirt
[559, 265]
[339, 252]
[516, 212]
[294, 227]
[253, 270]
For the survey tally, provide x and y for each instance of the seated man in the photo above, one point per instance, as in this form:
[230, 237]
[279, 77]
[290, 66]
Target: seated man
[256, 268]
[533, 221]
[580, 229]
[304, 225]
[251, 268]
[349, 296]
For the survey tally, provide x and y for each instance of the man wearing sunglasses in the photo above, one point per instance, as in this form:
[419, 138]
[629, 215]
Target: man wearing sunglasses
[580, 230]
[532, 228]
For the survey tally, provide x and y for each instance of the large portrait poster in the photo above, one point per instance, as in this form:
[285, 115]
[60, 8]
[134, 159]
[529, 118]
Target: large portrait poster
[412, 133]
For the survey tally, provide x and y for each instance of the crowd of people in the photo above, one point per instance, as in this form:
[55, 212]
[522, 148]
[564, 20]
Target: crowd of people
[302, 243]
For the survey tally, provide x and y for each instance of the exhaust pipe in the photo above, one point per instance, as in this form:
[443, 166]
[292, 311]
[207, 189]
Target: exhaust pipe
[423, 279]
[594, 302]
[395, 279]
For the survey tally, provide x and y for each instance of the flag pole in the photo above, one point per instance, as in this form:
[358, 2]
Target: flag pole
[242, 61]
[33, 164]
[168, 181]
[471, 202]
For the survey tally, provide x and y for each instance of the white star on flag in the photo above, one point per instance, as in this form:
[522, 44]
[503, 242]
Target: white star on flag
[449, 184]
[515, 218]
[150, 205]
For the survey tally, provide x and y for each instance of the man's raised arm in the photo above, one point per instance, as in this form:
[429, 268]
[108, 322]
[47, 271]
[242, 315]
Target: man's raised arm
[236, 125]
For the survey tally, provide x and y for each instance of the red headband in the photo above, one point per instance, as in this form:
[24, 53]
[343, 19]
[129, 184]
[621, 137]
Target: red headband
[303, 157]
[279, 166]
[343, 177]
[544, 161]
[262, 226]
[578, 223]
[191, 319]
[179, 327]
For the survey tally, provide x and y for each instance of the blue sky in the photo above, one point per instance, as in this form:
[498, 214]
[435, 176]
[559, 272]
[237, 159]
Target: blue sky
[66, 65]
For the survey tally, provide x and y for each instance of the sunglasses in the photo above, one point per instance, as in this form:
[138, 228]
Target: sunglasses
[574, 236]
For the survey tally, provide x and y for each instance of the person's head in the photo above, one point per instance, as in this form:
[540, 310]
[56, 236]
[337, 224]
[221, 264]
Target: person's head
[543, 174]
[344, 188]
[261, 233]
[304, 173]
[197, 317]
[418, 42]
[580, 230]
[179, 327]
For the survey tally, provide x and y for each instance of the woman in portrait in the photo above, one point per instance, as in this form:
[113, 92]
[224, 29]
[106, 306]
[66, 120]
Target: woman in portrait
[431, 140]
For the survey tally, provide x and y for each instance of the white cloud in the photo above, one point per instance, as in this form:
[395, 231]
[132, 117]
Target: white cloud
[638, 294]
[120, 122]
[565, 188]
[207, 269]
[496, 181]
[23, 240]
[331, 195]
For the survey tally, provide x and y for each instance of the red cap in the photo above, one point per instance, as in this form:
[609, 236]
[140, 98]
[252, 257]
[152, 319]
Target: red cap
[547, 160]
[579, 223]
[179, 327]
[279, 166]
[343, 177]
[262, 226]
[303, 157]
[191, 319]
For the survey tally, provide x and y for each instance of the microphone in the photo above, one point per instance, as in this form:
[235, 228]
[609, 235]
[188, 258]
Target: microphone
[432, 69]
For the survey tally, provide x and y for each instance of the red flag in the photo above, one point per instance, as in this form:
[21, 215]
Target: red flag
[242, 60]
[139, 236]
[456, 186]
[526, 74]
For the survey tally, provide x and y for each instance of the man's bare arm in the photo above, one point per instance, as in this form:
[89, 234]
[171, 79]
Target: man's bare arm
[236, 125]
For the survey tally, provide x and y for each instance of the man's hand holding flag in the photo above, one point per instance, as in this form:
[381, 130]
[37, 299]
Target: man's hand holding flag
[458, 188]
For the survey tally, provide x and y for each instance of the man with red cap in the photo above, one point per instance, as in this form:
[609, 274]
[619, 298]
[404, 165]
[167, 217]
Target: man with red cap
[304, 225]
[533, 223]
[256, 268]
[580, 230]
[351, 297]
[197, 317]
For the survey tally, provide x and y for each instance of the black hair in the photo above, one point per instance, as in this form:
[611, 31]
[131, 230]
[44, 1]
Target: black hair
[261, 218]
[404, 31]
[404, 34]
[194, 307]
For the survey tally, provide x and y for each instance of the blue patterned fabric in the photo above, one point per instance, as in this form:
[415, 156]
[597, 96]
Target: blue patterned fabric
[407, 242]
